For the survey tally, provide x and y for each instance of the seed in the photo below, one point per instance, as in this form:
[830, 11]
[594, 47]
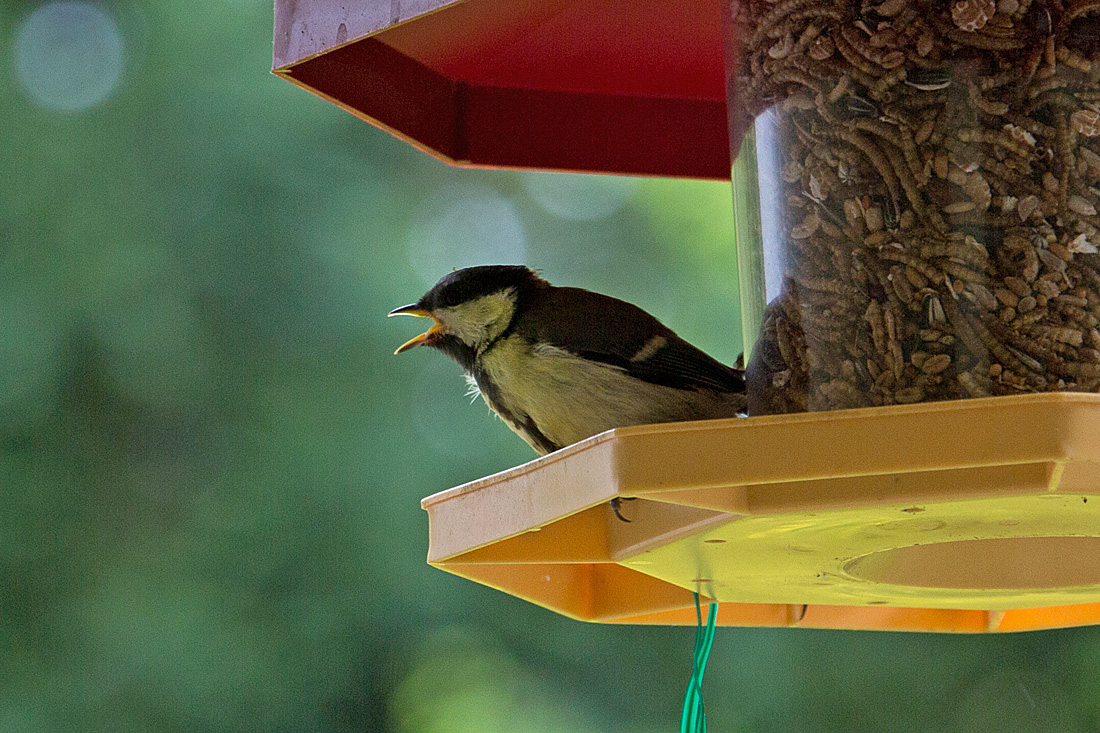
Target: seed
[890, 214]
[856, 106]
[1027, 206]
[1027, 360]
[1017, 286]
[1047, 288]
[936, 364]
[1060, 252]
[872, 215]
[1081, 206]
[927, 80]
[1089, 157]
[853, 214]
[877, 238]
[933, 311]
[909, 395]
[1007, 297]
[939, 164]
[782, 47]
[1051, 261]
[973, 387]
[1082, 245]
[1020, 135]
[925, 43]
[972, 15]
[807, 228]
[792, 171]
[1086, 122]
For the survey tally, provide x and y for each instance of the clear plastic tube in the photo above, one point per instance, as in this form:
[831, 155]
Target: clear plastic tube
[927, 180]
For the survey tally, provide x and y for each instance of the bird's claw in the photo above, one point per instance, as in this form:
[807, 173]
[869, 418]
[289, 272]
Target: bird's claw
[617, 506]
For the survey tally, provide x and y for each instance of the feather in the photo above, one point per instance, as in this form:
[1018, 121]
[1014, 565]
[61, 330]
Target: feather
[611, 331]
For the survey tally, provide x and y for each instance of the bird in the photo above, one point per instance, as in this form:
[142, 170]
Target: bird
[561, 364]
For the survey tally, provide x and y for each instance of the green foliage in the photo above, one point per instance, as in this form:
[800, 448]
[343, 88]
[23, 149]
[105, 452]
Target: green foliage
[210, 463]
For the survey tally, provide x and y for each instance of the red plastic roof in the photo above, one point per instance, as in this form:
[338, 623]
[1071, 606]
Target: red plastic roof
[614, 86]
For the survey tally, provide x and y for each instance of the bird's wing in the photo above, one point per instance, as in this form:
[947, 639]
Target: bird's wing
[612, 331]
[681, 365]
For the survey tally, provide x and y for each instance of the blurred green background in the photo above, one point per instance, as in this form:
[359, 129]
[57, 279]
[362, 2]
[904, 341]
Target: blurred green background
[211, 464]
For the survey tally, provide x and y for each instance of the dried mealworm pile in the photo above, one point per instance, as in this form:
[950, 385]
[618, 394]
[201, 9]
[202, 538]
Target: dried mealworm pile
[941, 173]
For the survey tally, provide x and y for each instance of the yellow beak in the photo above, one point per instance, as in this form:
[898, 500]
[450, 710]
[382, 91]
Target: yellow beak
[415, 310]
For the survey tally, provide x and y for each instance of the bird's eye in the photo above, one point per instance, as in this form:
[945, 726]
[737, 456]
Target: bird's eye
[451, 298]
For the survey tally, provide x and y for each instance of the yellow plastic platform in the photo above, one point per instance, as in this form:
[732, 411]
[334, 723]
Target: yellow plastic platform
[969, 516]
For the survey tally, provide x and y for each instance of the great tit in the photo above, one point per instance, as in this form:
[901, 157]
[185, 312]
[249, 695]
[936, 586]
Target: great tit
[561, 364]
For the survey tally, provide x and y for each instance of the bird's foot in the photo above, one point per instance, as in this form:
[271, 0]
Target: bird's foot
[617, 506]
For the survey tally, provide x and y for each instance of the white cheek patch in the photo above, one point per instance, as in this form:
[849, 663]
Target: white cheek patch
[479, 321]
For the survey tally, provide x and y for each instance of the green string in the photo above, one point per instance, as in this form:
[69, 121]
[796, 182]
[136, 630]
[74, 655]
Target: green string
[693, 719]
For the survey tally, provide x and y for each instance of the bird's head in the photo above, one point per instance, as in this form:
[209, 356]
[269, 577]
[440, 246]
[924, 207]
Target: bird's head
[470, 308]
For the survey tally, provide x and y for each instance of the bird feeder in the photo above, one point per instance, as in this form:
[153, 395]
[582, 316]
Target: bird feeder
[915, 197]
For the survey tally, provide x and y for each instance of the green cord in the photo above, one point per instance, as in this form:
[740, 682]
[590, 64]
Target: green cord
[693, 719]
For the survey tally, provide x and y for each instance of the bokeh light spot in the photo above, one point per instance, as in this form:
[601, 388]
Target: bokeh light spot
[464, 226]
[580, 197]
[68, 55]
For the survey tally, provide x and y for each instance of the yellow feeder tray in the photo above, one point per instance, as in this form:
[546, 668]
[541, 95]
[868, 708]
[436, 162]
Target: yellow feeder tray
[969, 516]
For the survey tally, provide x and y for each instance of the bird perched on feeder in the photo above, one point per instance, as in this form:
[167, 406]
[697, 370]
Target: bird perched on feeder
[561, 364]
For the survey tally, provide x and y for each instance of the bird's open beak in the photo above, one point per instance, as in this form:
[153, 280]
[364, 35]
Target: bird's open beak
[414, 309]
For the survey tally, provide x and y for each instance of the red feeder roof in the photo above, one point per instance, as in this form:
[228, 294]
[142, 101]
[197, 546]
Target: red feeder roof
[615, 86]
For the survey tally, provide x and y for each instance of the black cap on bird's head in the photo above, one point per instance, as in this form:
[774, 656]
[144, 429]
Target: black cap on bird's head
[463, 286]
[469, 307]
